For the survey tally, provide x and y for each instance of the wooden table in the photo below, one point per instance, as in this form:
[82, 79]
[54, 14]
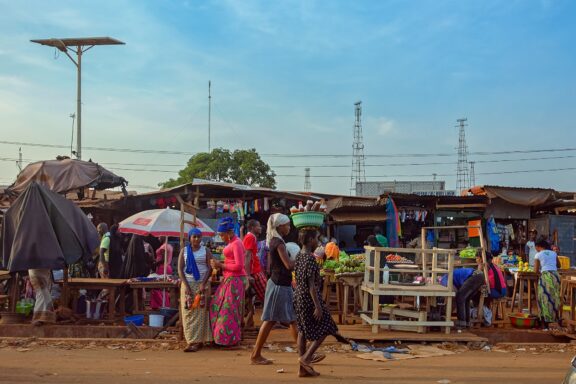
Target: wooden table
[13, 291]
[112, 285]
[570, 286]
[354, 282]
[136, 286]
[521, 280]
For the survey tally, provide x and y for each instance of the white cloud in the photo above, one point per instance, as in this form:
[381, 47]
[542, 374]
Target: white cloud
[383, 126]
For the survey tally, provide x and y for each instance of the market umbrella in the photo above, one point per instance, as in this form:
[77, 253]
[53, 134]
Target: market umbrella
[43, 230]
[161, 222]
[66, 175]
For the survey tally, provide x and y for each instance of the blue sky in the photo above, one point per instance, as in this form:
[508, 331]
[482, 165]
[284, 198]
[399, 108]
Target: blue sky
[285, 77]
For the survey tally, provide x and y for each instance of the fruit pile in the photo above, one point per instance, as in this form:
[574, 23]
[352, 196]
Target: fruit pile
[524, 267]
[350, 265]
[397, 259]
[346, 264]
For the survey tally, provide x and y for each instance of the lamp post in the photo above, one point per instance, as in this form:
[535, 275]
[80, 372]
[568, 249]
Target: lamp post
[81, 45]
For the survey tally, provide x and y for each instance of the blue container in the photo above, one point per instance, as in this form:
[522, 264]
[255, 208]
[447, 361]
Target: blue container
[134, 319]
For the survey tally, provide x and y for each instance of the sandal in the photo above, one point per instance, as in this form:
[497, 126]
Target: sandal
[317, 357]
[260, 361]
[307, 368]
[193, 348]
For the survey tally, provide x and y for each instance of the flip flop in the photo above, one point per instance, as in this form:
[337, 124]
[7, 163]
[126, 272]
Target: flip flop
[262, 361]
[193, 348]
[317, 357]
[307, 368]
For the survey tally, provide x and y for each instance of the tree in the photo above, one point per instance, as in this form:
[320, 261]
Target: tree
[240, 167]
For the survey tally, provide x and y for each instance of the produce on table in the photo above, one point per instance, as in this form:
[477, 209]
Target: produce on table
[345, 265]
[397, 259]
[524, 267]
[468, 253]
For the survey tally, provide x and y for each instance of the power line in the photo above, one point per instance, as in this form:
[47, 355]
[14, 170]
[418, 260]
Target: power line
[291, 155]
[374, 176]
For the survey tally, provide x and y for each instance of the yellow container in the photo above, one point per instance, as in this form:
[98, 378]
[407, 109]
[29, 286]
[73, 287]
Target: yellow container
[564, 262]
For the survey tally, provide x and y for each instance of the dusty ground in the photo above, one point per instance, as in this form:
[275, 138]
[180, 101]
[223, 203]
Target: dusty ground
[37, 363]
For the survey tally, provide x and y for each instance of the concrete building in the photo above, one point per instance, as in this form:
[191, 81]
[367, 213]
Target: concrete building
[376, 188]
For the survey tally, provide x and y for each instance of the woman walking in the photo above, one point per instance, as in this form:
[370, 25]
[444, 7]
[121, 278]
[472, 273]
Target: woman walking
[279, 296]
[546, 263]
[193, 270]
[312, 315]
[228, 302]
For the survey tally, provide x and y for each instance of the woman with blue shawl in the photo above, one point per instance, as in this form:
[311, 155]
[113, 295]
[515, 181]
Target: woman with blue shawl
[194, 271]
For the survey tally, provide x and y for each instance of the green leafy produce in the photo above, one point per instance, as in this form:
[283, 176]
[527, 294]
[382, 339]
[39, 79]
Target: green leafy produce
[330, 264]
[468, 253]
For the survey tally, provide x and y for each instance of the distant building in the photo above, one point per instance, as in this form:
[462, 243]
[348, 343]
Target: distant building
[426, 188]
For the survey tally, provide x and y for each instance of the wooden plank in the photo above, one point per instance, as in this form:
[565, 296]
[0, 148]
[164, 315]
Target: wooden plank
[409, 250]
[369, 320]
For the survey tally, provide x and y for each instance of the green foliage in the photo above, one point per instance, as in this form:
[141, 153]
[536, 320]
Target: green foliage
[240, 167]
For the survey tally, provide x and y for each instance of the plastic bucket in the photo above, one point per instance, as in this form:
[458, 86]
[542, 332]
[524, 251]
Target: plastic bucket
[156, 320]
[95, 308]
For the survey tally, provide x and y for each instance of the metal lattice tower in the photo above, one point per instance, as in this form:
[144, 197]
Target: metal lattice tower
[307, 184]
[462, 177]
[472, 174]
[358, 171]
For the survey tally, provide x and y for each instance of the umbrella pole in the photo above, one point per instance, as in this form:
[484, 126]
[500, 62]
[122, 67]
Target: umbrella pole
[165, 266]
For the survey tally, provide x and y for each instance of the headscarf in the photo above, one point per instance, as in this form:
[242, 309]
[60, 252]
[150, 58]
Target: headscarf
[274, 222]
[191, 266]
[225, 224]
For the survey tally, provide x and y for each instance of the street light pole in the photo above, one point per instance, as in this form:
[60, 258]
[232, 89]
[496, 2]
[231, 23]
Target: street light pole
[64, 46]
[79, 106]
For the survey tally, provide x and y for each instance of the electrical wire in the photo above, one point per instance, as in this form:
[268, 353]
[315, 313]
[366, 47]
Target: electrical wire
[287, 155]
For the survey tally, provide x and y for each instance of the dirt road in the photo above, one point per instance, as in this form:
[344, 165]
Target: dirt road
[102, 365]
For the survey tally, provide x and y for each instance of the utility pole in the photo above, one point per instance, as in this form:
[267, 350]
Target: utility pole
[358, 159]
[462, 177]
[209, 113]
[82, 45]
[307, 184]
[472, 174]
[19, 162]
[72, 152]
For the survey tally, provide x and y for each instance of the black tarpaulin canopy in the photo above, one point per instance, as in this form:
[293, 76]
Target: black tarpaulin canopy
[66, 175]
[43, 230]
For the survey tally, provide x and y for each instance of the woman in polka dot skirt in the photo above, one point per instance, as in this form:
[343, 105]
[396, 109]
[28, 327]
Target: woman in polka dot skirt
[312, 315]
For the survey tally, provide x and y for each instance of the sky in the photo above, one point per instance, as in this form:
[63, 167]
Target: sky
[285, 76]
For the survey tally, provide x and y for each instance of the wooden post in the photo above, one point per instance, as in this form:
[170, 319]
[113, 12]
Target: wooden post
[450, 286]
[365, 295]
[375, 298]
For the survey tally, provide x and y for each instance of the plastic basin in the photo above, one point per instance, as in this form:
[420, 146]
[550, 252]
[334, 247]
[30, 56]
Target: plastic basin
[134, 319]
[522, 321]
[308, 219]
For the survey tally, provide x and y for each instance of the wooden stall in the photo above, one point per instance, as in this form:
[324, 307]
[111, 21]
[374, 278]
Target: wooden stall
[435, 262]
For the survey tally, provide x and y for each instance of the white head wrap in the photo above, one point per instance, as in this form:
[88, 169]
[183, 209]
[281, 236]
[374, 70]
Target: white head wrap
[274, 222]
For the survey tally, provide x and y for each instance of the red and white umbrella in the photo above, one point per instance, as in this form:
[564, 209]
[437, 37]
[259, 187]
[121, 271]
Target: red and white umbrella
[161, 222]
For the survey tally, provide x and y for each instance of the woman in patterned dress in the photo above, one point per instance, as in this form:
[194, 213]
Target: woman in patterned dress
[194, 271]
[227, 304]
[312, 315]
